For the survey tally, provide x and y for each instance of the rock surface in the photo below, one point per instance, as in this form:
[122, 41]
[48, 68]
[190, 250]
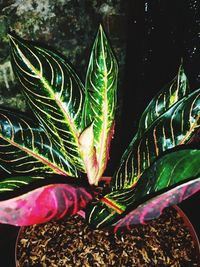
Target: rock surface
[68, 26]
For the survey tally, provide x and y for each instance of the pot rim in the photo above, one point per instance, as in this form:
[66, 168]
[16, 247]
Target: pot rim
[182, 214]
[191, 229]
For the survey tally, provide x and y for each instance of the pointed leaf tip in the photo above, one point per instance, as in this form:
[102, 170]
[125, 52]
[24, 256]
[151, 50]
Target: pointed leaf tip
[10, 36]
[47, 81]
[101, 32]
[101, 96]
[100, 27]
[13, 39]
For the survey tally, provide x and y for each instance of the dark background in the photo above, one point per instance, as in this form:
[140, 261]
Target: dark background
[160, 35]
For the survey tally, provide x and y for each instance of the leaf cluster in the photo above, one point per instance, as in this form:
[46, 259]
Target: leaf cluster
[53, 165]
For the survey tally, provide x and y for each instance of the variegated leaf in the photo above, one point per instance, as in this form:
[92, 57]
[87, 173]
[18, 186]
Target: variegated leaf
[86, 141]
[173, 92]
[195, 139]
[100, 104]
[54, 92]
[154, 207]
[26, 148]
[43, 201]
[173, 172]
[173, 128]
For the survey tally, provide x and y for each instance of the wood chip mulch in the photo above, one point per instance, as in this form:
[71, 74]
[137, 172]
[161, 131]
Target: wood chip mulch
[165, 241]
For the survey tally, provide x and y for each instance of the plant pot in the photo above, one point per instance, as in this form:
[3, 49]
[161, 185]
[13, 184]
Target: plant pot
[169, 240]
[190, 228]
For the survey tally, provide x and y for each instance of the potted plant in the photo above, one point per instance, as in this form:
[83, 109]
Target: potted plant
[52, 166]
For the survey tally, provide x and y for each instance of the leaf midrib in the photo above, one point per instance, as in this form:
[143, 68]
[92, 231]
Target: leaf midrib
[38, 157]
[53, 96]
[104, 127]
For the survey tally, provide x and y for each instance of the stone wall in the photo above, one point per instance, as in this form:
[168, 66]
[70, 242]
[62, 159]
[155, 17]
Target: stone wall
[68, 26]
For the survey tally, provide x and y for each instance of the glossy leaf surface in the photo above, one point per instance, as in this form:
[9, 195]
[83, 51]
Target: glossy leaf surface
[25, 148]
[54, 92]
[173, 92]
[154, 207]
[100, 105]
[173, 128]
[172, 171]
[51, 201]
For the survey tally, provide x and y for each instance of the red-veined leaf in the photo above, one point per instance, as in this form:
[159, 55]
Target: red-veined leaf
[100, 104]
[173, 92]
[54, 93]
[26, 148]
[173, 172]
[154, 207]
[175, 127]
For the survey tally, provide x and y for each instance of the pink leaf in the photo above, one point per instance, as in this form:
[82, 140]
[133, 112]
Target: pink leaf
[44, 204]
[154, 207]
[88, 151]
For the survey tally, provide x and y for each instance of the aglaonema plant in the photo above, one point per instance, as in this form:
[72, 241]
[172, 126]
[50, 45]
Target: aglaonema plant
[53, 164]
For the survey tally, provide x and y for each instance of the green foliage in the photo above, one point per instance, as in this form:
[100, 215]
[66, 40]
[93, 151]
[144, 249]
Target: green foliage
[59, 157]
[172, 128]
[100, 104]
[65, 109]
[171, 171]
[170, 121]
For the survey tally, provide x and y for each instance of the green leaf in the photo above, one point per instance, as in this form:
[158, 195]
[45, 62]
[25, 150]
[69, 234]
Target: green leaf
[25, 148]
[173, 92]
[153, 207]
[172, 170]
[173, 128]
[100, 104]
[54, 93]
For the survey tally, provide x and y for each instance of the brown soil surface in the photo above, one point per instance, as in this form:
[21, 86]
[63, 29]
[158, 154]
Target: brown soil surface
[165, 241]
